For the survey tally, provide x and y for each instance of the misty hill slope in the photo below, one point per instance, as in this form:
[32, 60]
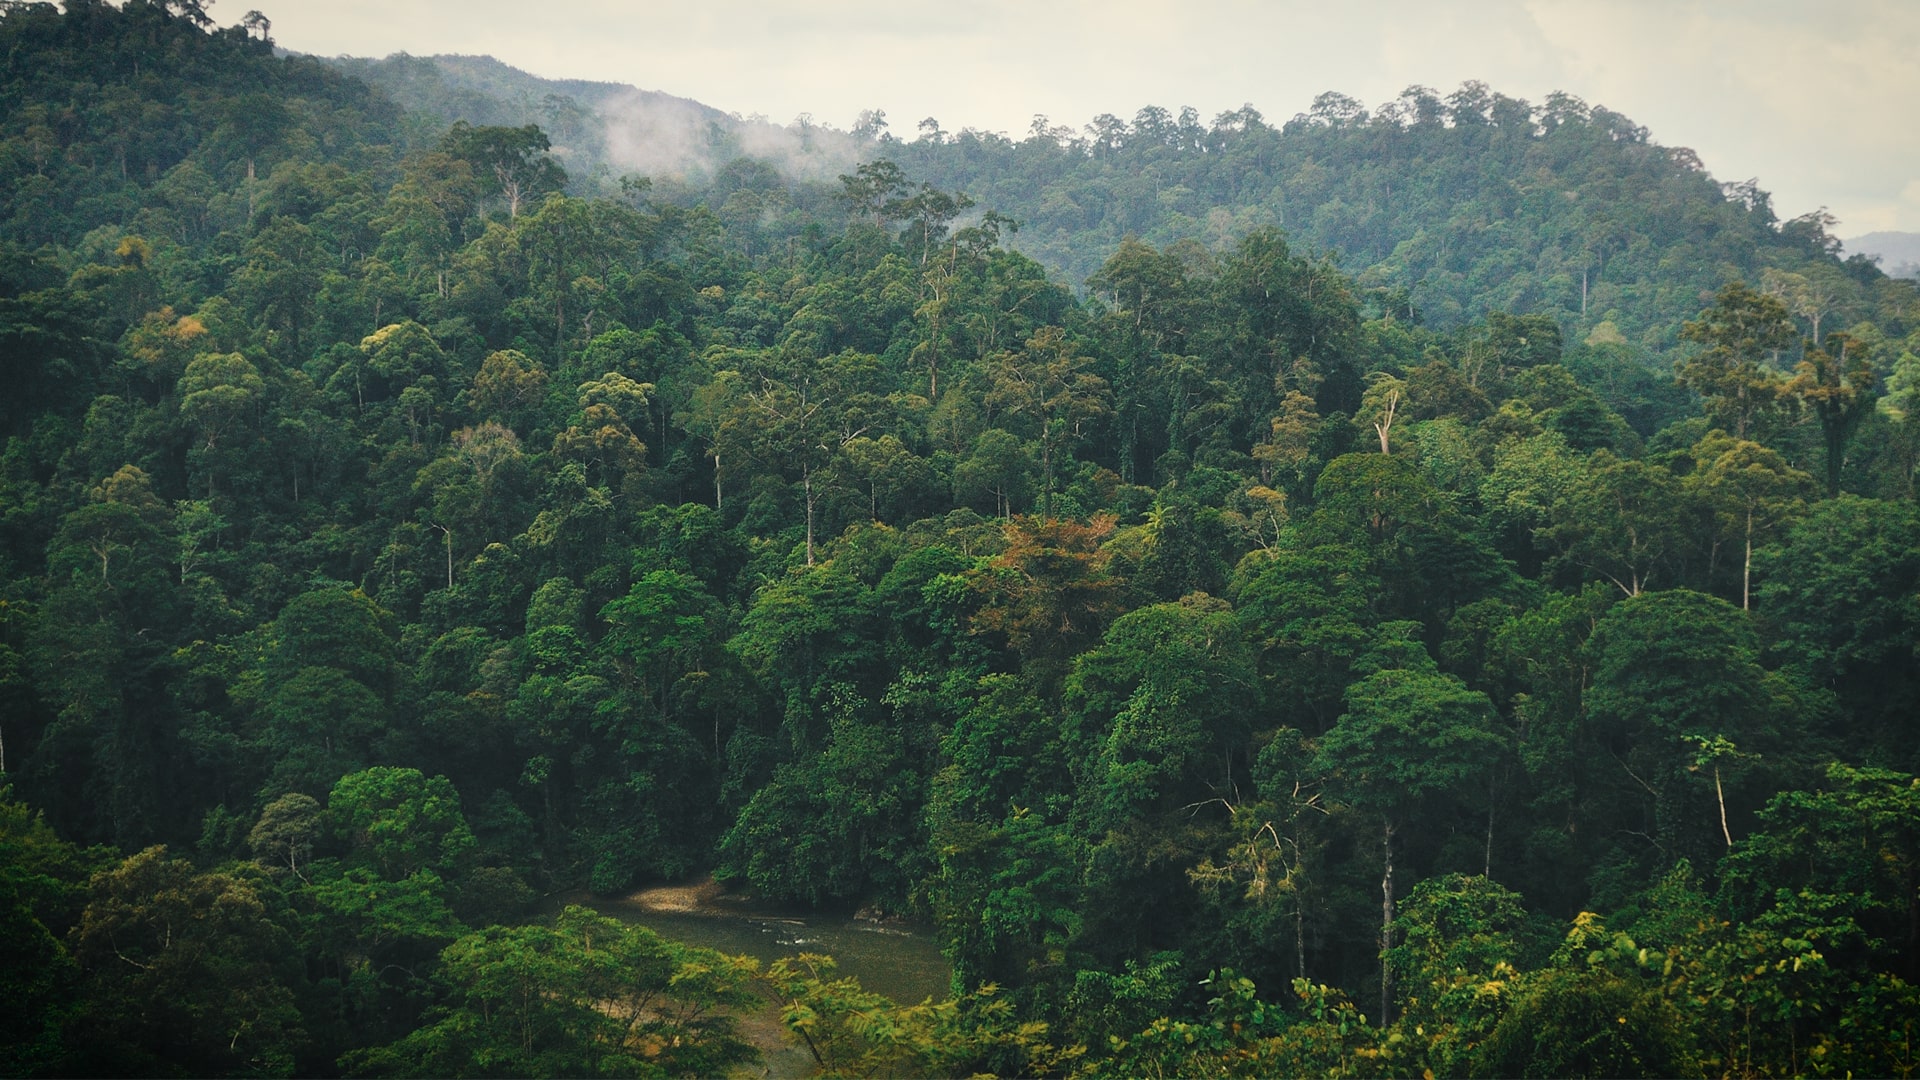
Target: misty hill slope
[1464, 205]
[601, 129]
[590, 123]
[484, 74]
[1898, 252]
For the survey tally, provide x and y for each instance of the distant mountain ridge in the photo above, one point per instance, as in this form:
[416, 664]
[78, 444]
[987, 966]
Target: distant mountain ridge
[1899, 252]
[490, 88]
[1459, 205]
[482, 91]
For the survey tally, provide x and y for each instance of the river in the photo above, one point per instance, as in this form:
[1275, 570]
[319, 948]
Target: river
[901, 961]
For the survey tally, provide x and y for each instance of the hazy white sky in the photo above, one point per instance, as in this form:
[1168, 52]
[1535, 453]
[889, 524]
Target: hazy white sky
[1815, 99]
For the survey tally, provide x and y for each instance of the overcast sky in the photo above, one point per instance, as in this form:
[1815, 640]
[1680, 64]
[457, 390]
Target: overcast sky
[1815, 99]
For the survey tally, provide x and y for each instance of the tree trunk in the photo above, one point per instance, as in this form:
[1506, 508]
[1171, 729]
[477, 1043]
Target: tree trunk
[806, 483]
[1299, 934]
[1384, 425]
[1746, 570]
[1046, 474]
[1386, 924]
[449, 535]
[1493, 793]
[1721, 795]
[1836, 456]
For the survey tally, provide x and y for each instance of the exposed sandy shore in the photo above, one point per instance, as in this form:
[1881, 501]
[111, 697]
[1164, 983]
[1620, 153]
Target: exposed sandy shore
[701, 896]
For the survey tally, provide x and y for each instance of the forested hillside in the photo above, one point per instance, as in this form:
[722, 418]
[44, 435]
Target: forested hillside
[1460, 206]
[1470, 203]
[1259, 664]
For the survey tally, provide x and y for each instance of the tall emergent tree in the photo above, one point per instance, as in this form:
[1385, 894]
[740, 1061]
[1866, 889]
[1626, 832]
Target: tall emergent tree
[1735, 371]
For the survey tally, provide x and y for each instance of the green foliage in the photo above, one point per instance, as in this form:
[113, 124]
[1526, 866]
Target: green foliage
[188, 972]
[1410, 732]
[286, 833]
[1157, 708]
[1457, 955]
[399, 821]
[835, 826]
[333, 628]
[511, 164]
[1049, 591]
[560, 529]
[1587, 1023]
[1006, 897]
[586, 996]
[42, 886]
[1242, 1035]
[850, 1031]
[1808, 850]
[1731, 371]
[1839, 594]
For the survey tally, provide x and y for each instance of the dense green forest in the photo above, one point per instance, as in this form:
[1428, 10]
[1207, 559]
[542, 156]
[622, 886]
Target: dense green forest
[1468, 204]
[1434, 591]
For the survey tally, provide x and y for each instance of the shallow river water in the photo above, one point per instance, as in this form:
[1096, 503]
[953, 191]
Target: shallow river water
[902, 962]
